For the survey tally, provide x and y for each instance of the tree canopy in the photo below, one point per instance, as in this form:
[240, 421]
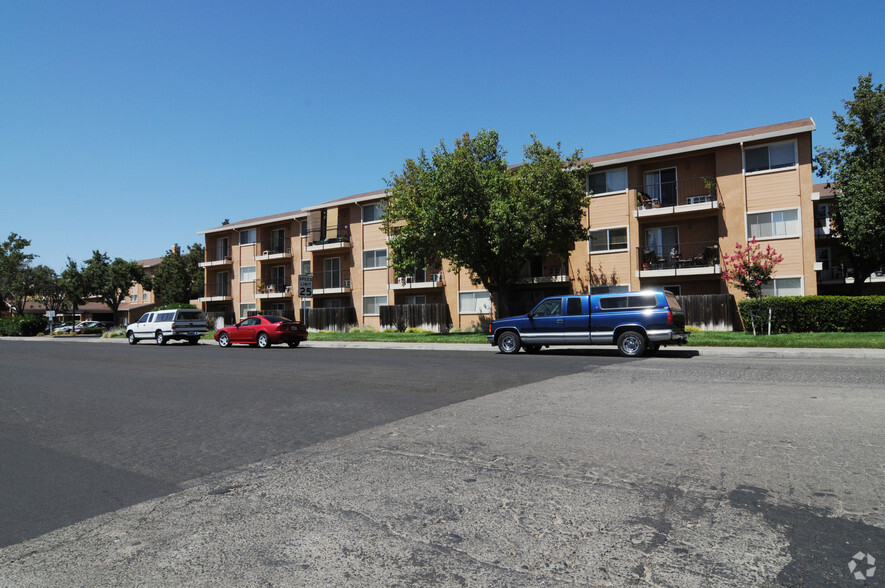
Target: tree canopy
[857, 167]
[179, 278]
[16, 273]
[467, 206]
[110, 280]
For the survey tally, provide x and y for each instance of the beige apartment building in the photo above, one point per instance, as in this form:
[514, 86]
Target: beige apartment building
[659, 217]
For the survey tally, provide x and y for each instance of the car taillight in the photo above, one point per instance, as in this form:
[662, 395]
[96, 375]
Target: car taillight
[669, 318]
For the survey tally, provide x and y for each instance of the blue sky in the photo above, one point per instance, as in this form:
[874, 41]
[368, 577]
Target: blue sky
[129, 126]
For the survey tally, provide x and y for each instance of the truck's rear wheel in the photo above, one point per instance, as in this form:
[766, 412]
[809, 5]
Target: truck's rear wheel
[632, 344]
[509, 342]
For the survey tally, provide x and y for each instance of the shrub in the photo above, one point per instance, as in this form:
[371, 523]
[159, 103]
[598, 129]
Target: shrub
[22, 326]
[814, 314]
[175, 306]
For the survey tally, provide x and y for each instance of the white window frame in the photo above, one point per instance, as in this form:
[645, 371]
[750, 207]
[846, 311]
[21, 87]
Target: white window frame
[305, 267]
[302, 227]
[250, 233]
[374, 259]
[377, 304]
[377, 214]
[771, 289]
[245, 307]
[770, 169]
[245, 273]
[477, 295]
[798, 221]
[608, 183]
[608, 248]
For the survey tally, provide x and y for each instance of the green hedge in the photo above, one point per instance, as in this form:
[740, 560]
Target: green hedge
[814, 314]
[22, 326]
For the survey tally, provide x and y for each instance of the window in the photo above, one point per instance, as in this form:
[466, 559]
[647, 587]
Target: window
[574, 307]
[550, 307]
[373, 212]
[778, 223]
[478, 302]
[372, 304]
[247, 273]
[278, 240]
[774, 156]
[375, 258]
[633, 301]
[246, 308]
[783, 287]
[416, 299]
[133, 298]
[303, 230]
[144, 297]
[614, 180]
[608, 240]
[305, 267]
[247, 236]
[660, 185]
[662, 241]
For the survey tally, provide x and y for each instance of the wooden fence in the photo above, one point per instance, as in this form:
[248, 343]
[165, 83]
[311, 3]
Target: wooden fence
[431, 317]
[711, 312]
[329, 319]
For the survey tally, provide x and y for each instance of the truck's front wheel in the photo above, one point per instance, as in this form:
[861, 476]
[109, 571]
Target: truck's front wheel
[509, 342]
[631, 344]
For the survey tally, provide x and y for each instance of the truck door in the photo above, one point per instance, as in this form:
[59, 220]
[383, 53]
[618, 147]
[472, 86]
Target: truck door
[576, 326]
[545, 324]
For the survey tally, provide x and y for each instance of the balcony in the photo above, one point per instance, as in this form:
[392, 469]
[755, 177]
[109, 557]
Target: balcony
[683, 259]
[273, 249]
[217, 292]
[217, 256]
[418, 280]
[274, 288]
[534, 273]
[328, 239]
[331, 282]
[696, 194]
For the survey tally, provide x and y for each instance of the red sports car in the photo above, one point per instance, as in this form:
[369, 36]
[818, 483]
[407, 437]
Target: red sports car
[264, 331]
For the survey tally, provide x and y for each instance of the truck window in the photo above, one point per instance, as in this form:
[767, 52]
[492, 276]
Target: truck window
[550, 307]
[573, 307]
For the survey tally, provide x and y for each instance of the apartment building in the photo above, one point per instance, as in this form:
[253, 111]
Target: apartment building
[659, 217]
[139, 300]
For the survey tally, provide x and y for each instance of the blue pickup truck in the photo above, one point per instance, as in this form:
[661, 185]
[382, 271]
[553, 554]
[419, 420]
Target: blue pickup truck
[637, 322]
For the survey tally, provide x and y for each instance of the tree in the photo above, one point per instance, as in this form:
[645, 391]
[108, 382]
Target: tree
[16, 281]
[857, 167]
[468, 207]
[110, 280]
[49, 289]
[73, 285]
[179, 278]
[749, 267]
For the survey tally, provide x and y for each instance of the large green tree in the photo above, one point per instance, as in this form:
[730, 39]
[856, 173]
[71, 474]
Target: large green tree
[73, 285]
[16, 279]
[49, 289]
[468, 206]
[179, 278]
[857, 168]
[110, 280]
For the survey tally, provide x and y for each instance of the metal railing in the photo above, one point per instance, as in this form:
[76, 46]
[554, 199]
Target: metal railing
[274, 285]
[274, 246]
[216, 289]
[218, 253]
[331, 279]
[339, 234]
[677, 193]
[680, 255]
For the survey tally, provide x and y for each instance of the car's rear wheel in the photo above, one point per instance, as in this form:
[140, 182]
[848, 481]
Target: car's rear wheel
[631, 344]
[131, 336]
[263, 340]
[161, 338]
[509, 342]
[531, 348]
[224, 340]
[293, 343]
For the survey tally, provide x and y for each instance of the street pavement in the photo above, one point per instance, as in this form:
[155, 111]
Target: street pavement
[611, 477]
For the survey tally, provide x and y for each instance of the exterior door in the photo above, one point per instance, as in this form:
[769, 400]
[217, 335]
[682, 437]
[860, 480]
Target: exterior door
[546, 323]
[332, 272]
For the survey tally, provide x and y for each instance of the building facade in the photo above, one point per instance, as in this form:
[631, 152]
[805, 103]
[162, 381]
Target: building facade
[659, 217]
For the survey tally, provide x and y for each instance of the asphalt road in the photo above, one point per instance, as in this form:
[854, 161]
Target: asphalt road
[565, 468]
[89, 428]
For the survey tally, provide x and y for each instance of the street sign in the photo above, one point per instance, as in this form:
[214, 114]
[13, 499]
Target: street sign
[305, 286]
[50, 314]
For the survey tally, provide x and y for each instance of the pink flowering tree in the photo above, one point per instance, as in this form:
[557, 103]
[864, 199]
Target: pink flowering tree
[750, 267]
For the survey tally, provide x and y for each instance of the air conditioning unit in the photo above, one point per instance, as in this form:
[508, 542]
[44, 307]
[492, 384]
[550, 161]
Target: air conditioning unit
[347, 283]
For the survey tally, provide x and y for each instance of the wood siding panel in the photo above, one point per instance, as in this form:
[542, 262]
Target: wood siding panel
[770, 191]
[609, 211]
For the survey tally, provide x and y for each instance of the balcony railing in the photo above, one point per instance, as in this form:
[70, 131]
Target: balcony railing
[329, 236]
[219, 253]
[274, 287]
[682, 256]
[217, 290]
[677, 193]
[274, 248]
[335, 280]
[419, 278]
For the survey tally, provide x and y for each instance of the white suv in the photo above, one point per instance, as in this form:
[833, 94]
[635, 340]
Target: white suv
[162, 325]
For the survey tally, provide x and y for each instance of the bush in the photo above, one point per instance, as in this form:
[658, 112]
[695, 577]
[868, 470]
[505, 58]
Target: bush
[814, 314]
[175, 306]
[22, 326]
